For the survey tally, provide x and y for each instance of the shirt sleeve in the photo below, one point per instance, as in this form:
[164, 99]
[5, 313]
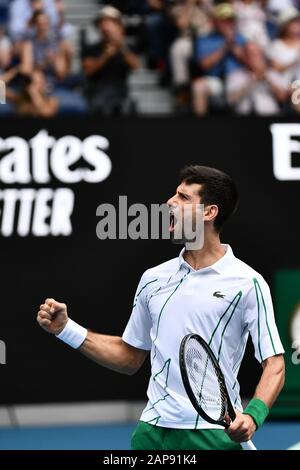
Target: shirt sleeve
[274, 51]
[206, 46]
[260, 321]
[19, 15]
[137, 331]
[240, 40]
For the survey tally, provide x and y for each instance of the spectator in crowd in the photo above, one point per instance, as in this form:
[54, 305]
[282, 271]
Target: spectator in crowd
[64, 29]
[275, 7]
[6, 50]
[160, 32]
[45, 49]
[256, 88]
[192, 18]
[21, 12]
[284, 52]
[6, 77]
[251, 21]
[107, 64]
[34, 99]
[229, 47]
[31, 97]
[218, 54]
[52, 54]
[5, 42]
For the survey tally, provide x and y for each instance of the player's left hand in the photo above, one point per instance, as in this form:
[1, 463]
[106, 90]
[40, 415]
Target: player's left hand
[242, 428]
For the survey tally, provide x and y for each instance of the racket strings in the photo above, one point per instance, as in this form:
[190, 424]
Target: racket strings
[205, 380]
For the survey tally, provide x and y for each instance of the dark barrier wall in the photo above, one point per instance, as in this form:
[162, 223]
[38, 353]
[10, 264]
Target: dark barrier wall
[54, 174]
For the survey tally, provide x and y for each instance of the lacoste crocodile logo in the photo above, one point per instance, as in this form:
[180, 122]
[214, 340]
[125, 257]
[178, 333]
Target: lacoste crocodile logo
[218, 294]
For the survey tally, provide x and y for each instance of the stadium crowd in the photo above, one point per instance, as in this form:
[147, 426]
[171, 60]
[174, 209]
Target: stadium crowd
[240, 56]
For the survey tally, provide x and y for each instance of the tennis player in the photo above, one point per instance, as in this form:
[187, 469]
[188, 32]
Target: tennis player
[206, 291]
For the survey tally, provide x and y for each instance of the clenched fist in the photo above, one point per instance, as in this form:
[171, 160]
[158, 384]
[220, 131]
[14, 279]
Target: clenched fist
[52, 316]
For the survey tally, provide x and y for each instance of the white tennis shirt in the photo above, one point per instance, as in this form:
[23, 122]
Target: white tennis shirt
[223, 303]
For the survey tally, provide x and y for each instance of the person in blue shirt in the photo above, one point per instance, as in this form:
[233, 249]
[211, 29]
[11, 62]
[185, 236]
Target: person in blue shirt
[22, 10]
[217, 54]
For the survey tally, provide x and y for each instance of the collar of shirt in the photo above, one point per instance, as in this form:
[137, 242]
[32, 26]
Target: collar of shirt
[220, 266]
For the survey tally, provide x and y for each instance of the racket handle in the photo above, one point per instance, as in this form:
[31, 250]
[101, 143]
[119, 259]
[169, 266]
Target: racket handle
[248, 445]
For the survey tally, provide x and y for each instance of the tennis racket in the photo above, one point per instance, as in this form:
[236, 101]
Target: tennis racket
[205, 384]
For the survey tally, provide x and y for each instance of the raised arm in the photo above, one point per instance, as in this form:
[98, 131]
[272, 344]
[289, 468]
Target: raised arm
[27, 61]
[92, 65]
[210, 60]
[108, 351]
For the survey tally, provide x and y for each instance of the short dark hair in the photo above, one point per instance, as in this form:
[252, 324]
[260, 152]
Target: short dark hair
[216, 188]
[35, 16]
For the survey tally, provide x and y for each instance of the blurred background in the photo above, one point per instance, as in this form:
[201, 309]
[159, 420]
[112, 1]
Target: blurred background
[101, 99]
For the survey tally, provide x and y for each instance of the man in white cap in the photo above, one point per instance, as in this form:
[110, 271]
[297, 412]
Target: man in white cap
[107, 64]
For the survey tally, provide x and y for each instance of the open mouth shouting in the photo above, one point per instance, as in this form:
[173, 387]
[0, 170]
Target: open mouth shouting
[173, 220]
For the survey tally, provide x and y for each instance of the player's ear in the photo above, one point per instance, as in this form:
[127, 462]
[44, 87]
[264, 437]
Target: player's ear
[210, 213]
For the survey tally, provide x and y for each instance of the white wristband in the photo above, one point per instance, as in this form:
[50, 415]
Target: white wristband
[73, 334]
